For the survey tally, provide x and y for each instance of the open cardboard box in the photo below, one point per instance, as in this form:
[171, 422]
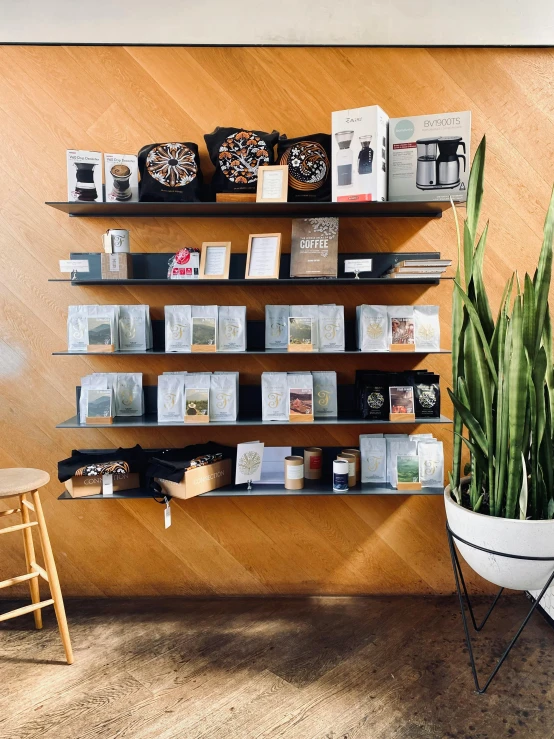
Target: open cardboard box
[199, 480]
[80, 486]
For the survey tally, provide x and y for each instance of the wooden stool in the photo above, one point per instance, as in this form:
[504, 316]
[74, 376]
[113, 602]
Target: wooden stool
[18, 482]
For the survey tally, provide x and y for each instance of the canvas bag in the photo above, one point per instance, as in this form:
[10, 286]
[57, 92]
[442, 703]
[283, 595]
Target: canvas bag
[129, 396]
[309, 162]
[171, 398]
[231, 329]
[276, 326]
[371, 324]
[224, 396]
[135, 328]
[427, 328]
[169, 172]
[77, 328]
[331, 328]
[236, 154]
[373, 451]
[325, 394]
[431, 463]
[275, 396]
[178, 328]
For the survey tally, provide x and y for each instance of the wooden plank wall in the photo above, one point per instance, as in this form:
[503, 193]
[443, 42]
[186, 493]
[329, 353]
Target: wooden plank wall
[118, 99]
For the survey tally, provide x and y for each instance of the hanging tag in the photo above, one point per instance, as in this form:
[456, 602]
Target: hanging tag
[107, 484]
[167, 515]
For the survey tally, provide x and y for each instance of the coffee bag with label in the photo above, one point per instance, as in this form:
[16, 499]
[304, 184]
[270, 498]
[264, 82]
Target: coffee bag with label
[232, 328]
[371, 324]
[276, 326]
[177, 328]
[431, 464]
[129, 398]
[331, 328]
[204, 326]
[311, 312]
[374, 396]
[275, 396]
[401, 326]
[223, 396]
[427, 395]
[427, 328]
[396, 447]
[374, 458]
[171, 398]
[77, 328]
[135, 328]
[325, 394]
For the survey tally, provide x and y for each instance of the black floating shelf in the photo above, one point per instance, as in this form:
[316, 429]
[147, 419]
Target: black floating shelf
[375, 209]
[311, 487]
[151, 269]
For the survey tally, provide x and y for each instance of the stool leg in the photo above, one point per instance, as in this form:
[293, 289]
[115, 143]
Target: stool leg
[30, 559]
[53, 580]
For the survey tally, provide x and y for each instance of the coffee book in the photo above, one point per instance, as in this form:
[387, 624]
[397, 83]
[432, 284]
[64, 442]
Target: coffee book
[314, 247]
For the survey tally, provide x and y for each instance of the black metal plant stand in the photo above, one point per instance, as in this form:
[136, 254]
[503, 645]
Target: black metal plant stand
[459, 578]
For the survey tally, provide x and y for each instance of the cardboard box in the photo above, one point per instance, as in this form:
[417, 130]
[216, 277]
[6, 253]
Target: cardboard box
[84, 176]
[80, 485]
[199, 480]
[429, 157]
[121, 178]
[359, 144]
[118, 266]
[314, 247]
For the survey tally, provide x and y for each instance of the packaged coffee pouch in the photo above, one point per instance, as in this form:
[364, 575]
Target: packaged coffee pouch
[427, 395]
[275, 396]
[236, 155]
[77, 328]
[129, 398]
[171, 391]
[203, 326]
[431, 464]
[308, 311]
[375, 396]
[421, 437]
[177, 328]
[98, 381]
[396, 447]
[197, 396]
[231, 328]
[325, 394]
[102, 325]
[373, 458]
[135, 328]
[169, 173]
[427, 328]
[309, 162]
[276, 326]
[401, 325]
[223, 396]
[331, 328]
[300, 396]
[371, 323]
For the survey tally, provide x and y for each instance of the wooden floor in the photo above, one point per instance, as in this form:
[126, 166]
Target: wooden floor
[319, 668]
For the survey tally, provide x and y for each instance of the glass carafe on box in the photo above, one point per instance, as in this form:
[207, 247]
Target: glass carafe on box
[344, 158]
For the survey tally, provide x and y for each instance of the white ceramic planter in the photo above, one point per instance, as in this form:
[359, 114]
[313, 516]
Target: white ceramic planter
[512, 536]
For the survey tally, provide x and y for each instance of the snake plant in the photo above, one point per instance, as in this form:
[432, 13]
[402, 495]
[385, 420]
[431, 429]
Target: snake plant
[502, 377]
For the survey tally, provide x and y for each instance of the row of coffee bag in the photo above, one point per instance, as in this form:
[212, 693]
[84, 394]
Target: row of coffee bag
[197, 396]
[289, 395]
[382, 328]
[203, 327]
[111, 394]
[380, 394]
[124, 327]
[320, 327]
[389, 458]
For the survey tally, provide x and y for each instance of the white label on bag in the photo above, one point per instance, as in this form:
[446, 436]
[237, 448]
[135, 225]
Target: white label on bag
[358, 265]
[167, 516]
[295, 472]
[107, 484]
[74, 265]
[114, 263]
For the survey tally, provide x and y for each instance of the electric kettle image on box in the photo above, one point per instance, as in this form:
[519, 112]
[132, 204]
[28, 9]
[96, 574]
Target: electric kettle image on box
[344, 158]
[438, 162]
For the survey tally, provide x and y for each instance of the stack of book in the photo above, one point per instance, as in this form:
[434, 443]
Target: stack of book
[432, 269]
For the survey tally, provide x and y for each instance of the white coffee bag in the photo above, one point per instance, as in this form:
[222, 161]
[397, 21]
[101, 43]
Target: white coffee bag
[276, 326]
[135, 328]
[431, 463]
[171, 398]
[331, 328]
[427, 328]
[275, 396]
[129, 396]
[373, 452]
[371, 323]
[223, 396]
[177, 328]
[325, 394]
[77, 328]
[231, 328]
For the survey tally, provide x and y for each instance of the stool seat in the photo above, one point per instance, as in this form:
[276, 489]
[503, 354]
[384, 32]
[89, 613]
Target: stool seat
[17, 480]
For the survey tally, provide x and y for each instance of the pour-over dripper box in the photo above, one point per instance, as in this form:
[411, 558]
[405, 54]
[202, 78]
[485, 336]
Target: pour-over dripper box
[84, 176]
[121, 178]
[429, 156]
[359, 154]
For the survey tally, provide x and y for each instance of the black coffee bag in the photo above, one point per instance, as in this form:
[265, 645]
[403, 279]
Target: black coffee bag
[236, 154]
[427, 395]
[309, 162]
[169, 173]
[375, 396]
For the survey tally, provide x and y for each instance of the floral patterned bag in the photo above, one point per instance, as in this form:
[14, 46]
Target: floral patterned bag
[236, 154]
[309, 161]
[169, 173]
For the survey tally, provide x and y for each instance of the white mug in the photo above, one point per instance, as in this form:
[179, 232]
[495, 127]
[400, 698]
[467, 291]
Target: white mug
[116, 241]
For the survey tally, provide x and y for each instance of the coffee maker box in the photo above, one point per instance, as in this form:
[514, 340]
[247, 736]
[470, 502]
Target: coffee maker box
[429, 157]
[121, 178]
[359, 149]
[84, 176]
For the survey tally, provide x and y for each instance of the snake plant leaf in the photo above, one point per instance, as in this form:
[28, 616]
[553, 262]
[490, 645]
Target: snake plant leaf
[531, 449]
[471, 423]
[475, 187]
[455, 489]
[457, 345]
[544, 270]
[529, 318]
[474, 318]
[502, 405]
[551, 508]
[523, 493]
[481, 299]
[547, 343]
[539, 379]
[477, 505]
[480, 458]
[468, 255]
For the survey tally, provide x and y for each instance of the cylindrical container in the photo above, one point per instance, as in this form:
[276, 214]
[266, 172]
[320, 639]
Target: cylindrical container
[313, 457]
[294, 473]
[120, 241]
[351, 459]
[358, 456]
[340, 476]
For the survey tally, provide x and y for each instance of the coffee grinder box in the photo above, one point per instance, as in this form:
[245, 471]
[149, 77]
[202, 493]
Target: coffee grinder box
[121, 178]
[429, 156]
[84, 176]
[359, 148]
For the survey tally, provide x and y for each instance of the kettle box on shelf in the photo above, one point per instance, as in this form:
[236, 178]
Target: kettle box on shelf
[359, 154]
[199, 480]
[429, 157]
[84, 176]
